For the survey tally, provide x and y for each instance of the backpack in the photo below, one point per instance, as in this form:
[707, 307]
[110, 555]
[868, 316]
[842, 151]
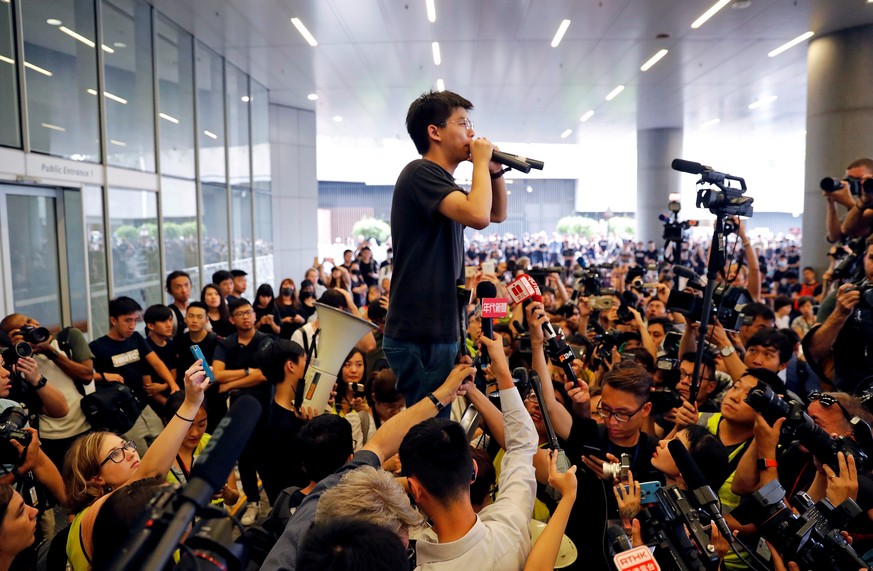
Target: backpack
[263, 535]
[112, 407]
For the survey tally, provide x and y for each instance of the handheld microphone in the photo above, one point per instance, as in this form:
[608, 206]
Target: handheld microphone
[510, 161]
[685, 272]
[500, 156]
[208, 475]
[696, 484]
[486, 289]
[617, 539]
[562, 463]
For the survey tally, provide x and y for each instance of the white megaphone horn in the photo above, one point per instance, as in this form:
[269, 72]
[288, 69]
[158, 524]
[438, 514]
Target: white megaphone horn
[338, 333]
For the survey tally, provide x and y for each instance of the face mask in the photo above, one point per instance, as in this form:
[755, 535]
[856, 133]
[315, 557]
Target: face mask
[287, 291]
[304, 295]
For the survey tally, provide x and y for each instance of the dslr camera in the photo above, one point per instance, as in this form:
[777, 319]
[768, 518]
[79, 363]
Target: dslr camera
[811, 538]
[727, 304]
[12, 422]
[799, 426]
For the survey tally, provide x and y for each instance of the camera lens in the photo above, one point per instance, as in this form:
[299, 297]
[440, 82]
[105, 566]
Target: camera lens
[23, 349]
[829, 184]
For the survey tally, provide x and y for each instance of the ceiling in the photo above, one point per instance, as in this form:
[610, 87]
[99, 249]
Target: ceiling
[374, 57]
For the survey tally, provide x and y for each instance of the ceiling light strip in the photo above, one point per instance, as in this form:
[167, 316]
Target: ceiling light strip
[310, 39]
[435, 48]
[431, 10]
[559, 35]
[653, 60]
[763, 101]
[588, 115]
[710, 13]
[791, 44]
[169, 118]
[614, 93]
[440, 85]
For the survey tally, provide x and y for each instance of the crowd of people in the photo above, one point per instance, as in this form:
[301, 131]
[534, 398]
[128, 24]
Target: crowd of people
[450, 430]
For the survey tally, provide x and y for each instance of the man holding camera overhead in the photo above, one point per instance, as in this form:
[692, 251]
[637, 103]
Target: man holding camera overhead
[428, 214]
[859, 220]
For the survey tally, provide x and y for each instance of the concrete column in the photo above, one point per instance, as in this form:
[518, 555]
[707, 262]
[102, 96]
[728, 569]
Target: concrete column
[839, 124]
[295, 191]
[656, 149]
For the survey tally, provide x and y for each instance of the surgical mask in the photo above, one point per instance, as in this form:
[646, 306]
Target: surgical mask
[304, 295]
[287, 291]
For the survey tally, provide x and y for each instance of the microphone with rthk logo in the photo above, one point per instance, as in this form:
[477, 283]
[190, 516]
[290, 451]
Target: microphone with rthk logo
[486, 290]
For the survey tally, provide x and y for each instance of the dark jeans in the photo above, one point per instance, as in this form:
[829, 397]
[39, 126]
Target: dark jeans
[420, 367]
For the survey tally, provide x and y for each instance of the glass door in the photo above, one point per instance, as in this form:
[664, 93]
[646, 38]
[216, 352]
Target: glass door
[36, 249]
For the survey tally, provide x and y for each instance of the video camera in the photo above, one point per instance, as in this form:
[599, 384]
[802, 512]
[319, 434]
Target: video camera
[850, 263]
[801, 427]
[811, 538]
[727, 304]
[673, 525]
[12, 422]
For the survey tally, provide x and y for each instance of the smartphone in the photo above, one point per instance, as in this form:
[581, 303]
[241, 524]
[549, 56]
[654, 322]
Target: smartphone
[593, 451]
[358, 389]
[469, 271]
[488, 267]
[198, 354]
[647, 491]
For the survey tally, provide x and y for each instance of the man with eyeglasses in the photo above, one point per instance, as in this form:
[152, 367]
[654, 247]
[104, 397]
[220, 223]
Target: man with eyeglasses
[237, 372]
[428, 214]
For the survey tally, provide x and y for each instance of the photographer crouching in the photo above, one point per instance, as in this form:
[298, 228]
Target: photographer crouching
[840, 347]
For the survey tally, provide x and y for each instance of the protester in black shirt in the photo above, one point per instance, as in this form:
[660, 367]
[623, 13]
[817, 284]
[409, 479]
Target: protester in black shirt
[214, 401]
[219, 317]
[159, 329]
[267, 318]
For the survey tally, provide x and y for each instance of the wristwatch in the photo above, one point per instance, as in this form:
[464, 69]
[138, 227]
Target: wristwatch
[727, 351]
[42, 382]
[765, 463]
[436, 402]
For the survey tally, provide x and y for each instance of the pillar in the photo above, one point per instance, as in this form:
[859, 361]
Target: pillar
[656, 149]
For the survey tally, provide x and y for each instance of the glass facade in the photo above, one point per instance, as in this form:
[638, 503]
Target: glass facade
[61, 74]
[161, 103]
[127, 68]
[10, 131]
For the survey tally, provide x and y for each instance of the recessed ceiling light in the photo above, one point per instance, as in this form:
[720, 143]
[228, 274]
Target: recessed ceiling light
[337, 119]
[108, 95]
[566, 133]
[435, 47]
[440, 85]
[791, 44]
[559, 35]
[312, 97]
[310, 39]
[763, 101]
[53, 22]
[588, 115]
[53, 127]
[710, 13]
[119, 143]
[653, 60]
[245, 98]
[711, 122]
[529, 188]
[612, 94]
[210, 134]
[508, 192]
[431, 10]
[38, 69]
[119, 45]
[169, 118]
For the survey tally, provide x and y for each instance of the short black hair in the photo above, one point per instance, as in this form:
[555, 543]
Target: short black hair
[326, 444]
[770, 337]
[709, 454]
[236, 303]
[431, 108]
[629, 377]
[176, 274]
[119, 515]
[333, 299]
[220, 276]
[199, 305]
[664, 322]
[767, 377]
[238, 273]
[757, 309]
[272, 356]
[351, 545]
[708, 361]
[123, 306]
[437, 454]
[156, 313]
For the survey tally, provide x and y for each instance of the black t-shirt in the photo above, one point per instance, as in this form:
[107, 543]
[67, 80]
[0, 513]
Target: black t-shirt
[428, 257]
[222, 327]
[214, 401]
[125, 358]
[284, 467]
[306, 311]
[236, 356]
[167, 354]
[588, 519]
[269, 310]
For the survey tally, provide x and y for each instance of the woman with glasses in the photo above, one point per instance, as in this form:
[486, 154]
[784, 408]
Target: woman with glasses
[101, 462]
[385, 402]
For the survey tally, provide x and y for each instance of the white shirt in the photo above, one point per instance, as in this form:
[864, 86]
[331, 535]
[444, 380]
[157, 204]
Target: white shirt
[354, 419]
[500, 538]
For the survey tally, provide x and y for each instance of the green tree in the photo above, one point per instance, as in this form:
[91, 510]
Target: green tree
[372, 228]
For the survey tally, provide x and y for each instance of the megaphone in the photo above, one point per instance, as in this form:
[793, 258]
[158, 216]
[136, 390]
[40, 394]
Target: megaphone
[338, 332]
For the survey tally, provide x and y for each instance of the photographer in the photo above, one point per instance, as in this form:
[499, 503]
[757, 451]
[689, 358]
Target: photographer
[859, 218]
[837, 347]
[67, 364]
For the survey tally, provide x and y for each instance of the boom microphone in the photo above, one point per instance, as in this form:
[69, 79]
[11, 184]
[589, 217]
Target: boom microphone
[685, 272]
[696, 484]
[485, 290]
[209, 473]
[689, 166]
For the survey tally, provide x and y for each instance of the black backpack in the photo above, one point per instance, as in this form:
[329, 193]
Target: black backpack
[263, 535]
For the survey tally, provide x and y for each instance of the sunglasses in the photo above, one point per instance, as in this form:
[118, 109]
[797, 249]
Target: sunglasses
[828, 401]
